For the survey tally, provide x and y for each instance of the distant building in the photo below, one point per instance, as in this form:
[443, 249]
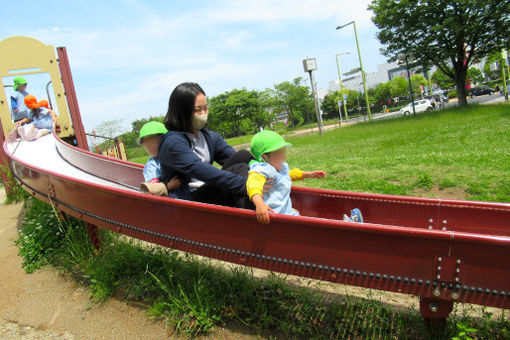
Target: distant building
[385, 72]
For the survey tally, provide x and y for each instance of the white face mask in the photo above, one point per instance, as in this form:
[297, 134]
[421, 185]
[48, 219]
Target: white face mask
[199, 121]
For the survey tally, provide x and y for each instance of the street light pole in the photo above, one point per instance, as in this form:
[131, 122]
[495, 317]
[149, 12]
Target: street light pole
[410, 85]
[404, 56]
[310, 65]
[341, 85]
[503, 66]
[360, 66]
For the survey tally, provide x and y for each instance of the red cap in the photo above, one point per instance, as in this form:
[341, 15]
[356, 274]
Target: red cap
[31, 102]
[44, 103]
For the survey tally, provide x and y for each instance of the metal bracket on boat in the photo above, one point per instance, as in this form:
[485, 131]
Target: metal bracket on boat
[447, 273]
[440, 225]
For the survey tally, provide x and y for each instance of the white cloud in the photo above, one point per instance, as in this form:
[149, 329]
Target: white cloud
[150, 95]
[266, 10]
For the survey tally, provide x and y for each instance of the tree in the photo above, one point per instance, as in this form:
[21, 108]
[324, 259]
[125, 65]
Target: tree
[494, 57]
[226, 114]
[329, 104]
[137, 124]
[261, 115]
[294, 99]
[398, 86]
[130, 138]
[443, 32]
[109, 128]
[382, 93]
[442, 80]
[238, 112]
[418, 80]
[475, 75]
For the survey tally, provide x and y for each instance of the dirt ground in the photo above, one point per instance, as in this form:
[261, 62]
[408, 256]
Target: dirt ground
[50, 305]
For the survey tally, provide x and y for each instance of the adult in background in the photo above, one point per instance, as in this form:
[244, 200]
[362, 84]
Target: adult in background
[19, 110]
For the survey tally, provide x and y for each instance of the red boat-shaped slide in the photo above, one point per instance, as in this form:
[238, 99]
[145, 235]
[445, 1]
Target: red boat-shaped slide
[441, 250]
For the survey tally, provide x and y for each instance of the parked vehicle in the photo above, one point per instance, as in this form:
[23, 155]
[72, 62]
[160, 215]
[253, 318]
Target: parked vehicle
[419, 106]
[481, 90]
[437, 97]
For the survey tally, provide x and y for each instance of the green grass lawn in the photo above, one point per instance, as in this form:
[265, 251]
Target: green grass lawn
[456, 153]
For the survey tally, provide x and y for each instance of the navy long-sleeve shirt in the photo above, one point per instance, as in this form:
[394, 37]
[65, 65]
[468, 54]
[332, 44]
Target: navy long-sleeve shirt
[178, 159]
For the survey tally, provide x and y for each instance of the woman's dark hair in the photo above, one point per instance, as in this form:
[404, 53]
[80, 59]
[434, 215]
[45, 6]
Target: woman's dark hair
[181, 106]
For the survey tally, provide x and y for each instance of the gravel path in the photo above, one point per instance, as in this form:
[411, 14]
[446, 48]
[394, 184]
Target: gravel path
[15, 331]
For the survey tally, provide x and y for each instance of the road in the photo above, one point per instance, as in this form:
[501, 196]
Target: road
[476, 100]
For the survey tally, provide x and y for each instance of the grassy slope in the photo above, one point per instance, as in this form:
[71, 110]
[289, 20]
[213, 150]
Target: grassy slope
[457, 153]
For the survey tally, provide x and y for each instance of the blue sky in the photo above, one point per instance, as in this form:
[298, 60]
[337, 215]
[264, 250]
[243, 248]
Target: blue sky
[127, 56]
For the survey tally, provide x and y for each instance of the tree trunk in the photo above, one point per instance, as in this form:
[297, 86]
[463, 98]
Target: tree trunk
[460, 81]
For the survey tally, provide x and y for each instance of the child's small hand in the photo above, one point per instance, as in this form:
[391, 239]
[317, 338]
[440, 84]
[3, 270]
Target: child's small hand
[53, 118]
[174, 183]
[314, 174]
[262, 212]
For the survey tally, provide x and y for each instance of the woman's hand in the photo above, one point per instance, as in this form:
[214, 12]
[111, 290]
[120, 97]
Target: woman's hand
[314, 174]
[174, 183]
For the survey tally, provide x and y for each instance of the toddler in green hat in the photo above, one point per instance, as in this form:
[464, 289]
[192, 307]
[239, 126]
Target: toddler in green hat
[270, 152]
[150, 136]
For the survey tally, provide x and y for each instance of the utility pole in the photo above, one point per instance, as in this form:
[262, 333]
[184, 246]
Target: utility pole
[504, 55]
[341, 85]
[404, 56]
[360, 66]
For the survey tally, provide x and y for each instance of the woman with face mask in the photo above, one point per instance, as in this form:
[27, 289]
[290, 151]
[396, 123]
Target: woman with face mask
[188, 150]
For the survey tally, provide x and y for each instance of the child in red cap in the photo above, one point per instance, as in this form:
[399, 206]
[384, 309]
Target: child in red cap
[44, 103]
[41, 120]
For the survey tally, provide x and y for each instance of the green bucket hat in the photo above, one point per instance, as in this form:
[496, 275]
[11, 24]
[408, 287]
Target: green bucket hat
[150, 129]
[19, 81]
[266, 141]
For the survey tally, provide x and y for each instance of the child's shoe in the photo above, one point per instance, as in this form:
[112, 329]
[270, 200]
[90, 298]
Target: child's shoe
[157, 188]
[355, 216]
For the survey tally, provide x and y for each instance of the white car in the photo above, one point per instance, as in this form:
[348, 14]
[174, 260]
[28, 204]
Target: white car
[419, 106]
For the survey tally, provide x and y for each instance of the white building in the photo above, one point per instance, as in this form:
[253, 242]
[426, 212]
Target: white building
[385, 72]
